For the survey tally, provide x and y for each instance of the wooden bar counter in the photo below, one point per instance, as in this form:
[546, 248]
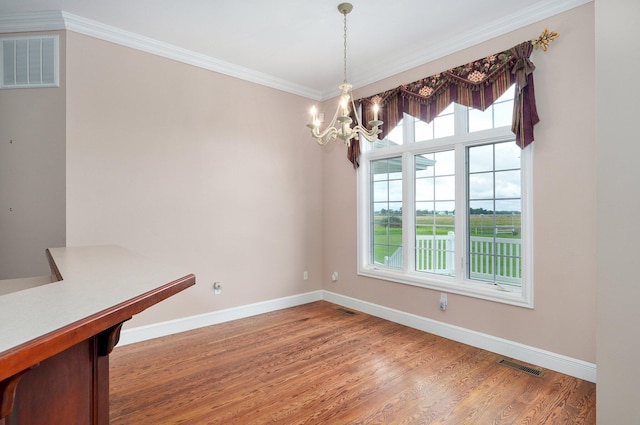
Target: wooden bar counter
[55, 338]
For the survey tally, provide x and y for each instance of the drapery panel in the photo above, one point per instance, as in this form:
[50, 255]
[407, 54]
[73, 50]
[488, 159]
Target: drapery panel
[477, 84]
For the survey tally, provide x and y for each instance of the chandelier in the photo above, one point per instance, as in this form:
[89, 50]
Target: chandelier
[340, 125]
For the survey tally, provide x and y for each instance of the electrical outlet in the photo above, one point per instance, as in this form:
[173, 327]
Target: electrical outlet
[334, 276]
[217, 288]
[443, 302]
[305, 275]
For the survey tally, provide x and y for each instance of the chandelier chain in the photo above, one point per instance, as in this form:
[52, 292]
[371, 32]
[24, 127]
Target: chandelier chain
[345, 47]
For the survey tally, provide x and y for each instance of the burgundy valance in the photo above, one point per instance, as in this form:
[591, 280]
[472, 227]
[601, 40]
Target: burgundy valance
[477, 84]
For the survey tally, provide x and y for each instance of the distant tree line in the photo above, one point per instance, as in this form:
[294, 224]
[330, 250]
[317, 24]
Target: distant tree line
[485, 211]
[472, 211]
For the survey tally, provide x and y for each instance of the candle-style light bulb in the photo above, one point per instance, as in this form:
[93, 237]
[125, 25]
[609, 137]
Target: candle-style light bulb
[345, 105]
[376, 108]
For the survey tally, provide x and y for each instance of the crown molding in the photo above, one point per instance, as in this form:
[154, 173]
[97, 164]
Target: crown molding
[139, 42]
[60, 20]
[524, 17]
[32, 21]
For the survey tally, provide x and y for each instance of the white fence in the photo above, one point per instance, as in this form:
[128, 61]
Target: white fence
[491, 259]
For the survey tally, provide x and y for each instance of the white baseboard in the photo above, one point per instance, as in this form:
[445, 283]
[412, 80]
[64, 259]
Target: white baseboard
[546, 359]
[156, 330]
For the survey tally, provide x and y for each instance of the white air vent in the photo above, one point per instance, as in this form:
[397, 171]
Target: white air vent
[29, 62]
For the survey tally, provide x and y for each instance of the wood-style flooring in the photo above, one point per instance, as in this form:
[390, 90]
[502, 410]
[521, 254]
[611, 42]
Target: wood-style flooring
[315, 364]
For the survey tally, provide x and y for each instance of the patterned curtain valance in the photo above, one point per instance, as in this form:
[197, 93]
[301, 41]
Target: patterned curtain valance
[477, 84]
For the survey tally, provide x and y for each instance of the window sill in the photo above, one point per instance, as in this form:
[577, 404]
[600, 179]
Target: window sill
[471, 288]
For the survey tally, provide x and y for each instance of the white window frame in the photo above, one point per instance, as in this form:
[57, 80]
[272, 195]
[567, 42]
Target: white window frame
[458, 284]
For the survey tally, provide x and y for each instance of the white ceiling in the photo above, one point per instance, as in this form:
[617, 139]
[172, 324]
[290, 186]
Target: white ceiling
[299, 43]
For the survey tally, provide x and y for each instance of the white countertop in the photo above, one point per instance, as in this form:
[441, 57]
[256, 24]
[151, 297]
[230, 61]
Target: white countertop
[8, 286]
[94, 280]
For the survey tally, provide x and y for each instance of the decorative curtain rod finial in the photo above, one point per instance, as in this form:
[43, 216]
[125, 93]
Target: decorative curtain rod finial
[545, 38]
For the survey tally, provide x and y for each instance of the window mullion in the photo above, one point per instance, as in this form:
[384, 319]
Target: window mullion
[408, 129]
[408, 196]
[408, 212]
[461, 213]
[460, 119]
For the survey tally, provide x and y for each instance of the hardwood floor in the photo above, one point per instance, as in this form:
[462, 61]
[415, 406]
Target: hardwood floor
[314, 364]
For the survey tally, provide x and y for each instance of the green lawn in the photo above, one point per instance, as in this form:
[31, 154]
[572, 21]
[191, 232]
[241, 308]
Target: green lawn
[387, 238]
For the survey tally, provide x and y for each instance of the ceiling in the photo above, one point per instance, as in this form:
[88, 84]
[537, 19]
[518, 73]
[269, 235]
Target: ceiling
[297, 45]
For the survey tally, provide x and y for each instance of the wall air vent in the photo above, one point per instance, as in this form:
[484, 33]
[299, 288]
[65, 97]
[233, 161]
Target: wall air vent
[29, 62]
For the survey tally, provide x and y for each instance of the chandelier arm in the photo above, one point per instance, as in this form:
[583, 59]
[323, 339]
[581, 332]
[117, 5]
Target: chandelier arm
[370, 135]
[328, 131]
[326, 136]
[335, 116]
[355, 111]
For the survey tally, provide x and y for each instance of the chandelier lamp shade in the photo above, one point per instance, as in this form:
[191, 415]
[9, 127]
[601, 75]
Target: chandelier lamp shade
[341, 126]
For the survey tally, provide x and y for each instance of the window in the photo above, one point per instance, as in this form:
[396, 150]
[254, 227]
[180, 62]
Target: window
[447, 205]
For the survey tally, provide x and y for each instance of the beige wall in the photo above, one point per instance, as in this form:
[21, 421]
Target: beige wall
[173, 161]
[160, 160]
[32, 170]
[564, 318]
[195, 168]
[618, 331]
